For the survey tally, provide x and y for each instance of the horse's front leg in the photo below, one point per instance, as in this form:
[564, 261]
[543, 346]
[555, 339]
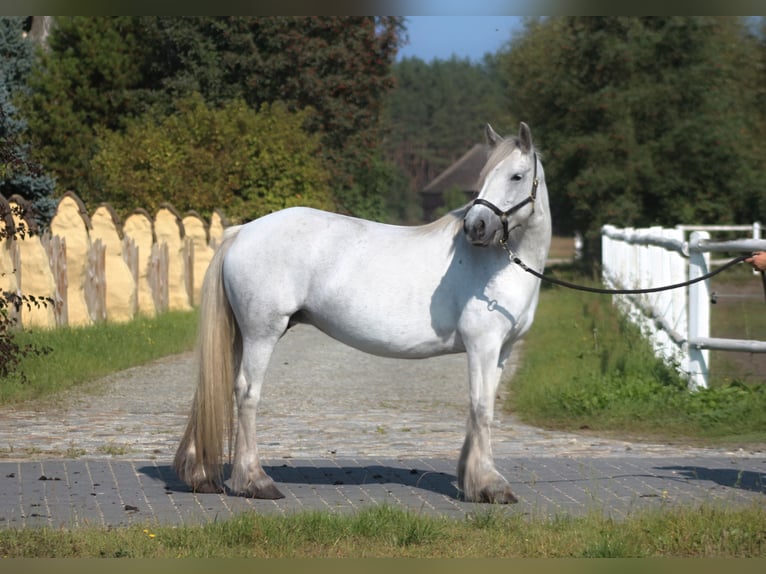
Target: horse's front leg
[478, 478]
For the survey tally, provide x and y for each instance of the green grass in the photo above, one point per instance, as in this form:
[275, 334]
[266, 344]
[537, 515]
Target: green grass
[87, 353]
[586, 367]
[388, 532]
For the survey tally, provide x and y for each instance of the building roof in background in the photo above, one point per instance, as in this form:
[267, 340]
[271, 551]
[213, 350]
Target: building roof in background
[463, 174]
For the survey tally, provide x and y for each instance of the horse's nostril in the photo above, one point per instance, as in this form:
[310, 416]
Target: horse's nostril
[481, 226]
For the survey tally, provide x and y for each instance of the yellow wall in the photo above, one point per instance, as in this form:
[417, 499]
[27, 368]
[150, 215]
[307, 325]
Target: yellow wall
[120, 285]
[139, 227]
[35, 278]
[71, 223]
[124, 294]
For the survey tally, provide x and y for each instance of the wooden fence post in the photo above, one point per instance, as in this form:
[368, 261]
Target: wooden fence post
[130, 256]
[158, 276]
[55, 246]
[95, 282]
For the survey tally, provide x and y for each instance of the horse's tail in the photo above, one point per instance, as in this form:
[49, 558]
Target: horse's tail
[198, 460]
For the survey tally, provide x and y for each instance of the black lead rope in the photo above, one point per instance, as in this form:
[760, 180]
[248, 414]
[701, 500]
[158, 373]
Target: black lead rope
[504, 215]
[569, 285]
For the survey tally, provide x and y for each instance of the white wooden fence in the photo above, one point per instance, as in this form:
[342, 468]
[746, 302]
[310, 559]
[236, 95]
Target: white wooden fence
[677, 322]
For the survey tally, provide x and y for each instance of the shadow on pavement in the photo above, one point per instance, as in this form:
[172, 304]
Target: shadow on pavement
[432, 481]
[729, 477]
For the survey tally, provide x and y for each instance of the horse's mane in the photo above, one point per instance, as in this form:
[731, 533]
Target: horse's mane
[453, 218]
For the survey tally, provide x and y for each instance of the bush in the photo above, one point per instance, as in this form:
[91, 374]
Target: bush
[244, 162]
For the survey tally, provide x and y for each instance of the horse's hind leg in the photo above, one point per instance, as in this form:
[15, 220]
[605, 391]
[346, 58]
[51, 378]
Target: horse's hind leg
[477, 476]
[248, 477]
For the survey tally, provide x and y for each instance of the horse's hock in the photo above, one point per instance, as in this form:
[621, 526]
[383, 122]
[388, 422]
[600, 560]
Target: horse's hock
[95, 268]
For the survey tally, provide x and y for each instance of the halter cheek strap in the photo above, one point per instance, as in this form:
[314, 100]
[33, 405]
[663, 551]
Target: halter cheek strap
[504, 215]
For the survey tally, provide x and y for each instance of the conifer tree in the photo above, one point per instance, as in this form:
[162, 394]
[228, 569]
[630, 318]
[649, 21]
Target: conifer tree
[18, 176]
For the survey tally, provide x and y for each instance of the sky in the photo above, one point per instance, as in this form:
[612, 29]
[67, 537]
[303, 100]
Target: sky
[463, 36]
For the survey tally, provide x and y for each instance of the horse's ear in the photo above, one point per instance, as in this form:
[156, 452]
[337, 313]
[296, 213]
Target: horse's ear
[525, 137]
[492, 137]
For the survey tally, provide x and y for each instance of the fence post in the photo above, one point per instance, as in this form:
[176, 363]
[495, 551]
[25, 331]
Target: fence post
[55, 246]
[95, 281]
[130, 256]
[158, 276]
[699, 312]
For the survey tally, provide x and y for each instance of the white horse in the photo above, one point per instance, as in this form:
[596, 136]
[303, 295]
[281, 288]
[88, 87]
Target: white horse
[407, 292]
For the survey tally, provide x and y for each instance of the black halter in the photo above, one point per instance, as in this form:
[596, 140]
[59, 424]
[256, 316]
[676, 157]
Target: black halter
[504, 215]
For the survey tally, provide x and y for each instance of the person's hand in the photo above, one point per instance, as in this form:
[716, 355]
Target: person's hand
[757, 260]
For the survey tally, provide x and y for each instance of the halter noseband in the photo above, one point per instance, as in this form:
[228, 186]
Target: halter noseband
[504, 215]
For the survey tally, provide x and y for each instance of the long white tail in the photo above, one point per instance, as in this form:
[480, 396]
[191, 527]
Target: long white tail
[199, 458]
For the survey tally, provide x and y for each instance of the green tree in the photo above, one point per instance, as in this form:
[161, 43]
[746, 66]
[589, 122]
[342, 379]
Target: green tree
[101, 72]
[758, 27]
[643, 120]
[86, 81]
[437, 111]
[339, 66]
[245, 162]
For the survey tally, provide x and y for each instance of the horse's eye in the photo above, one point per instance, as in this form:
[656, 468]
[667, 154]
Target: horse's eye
[516, 177]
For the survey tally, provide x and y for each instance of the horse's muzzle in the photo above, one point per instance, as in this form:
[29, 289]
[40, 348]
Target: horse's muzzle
[481, 226]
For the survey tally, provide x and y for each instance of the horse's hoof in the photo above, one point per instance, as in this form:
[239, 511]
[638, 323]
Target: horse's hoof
[269, 492]
[501, 495]
[265, 491]
[208, 488]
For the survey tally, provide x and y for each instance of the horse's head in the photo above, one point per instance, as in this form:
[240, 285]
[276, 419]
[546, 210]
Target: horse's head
[508, 192]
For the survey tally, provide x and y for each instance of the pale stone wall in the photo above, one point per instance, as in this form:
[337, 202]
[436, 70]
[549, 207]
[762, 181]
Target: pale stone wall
[7, 275]
[108, 270]
[139, 227]
[168, 228]
[196, 234]
[71, 222]
[34, 277]
[120, 285]
[217, 225]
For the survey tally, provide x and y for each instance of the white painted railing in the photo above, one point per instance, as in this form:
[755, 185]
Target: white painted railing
[677, 322]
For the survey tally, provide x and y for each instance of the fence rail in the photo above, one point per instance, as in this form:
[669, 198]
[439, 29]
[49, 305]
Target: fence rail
[677, 322]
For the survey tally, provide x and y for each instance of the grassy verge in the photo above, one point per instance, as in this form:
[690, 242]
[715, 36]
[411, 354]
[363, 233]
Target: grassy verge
[86, 353]
[388, 532]
[585, 367]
